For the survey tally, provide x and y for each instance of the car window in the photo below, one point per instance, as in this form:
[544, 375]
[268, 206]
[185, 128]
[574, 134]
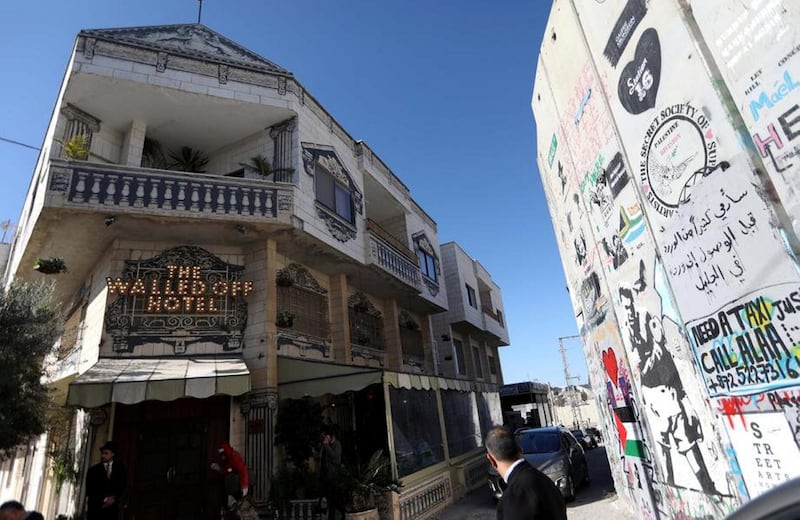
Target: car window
[539, 442]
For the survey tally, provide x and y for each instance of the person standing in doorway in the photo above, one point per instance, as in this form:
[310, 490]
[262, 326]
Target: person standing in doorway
[530, 494]
[237, 477]
[105, 483]
[329, 461]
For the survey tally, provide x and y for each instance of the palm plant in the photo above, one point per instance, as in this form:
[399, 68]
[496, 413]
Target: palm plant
[259, 164]
[188, 160]
[362, 483]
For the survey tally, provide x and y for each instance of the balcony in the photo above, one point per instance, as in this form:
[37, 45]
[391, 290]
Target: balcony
[392, 256]
[167, 193]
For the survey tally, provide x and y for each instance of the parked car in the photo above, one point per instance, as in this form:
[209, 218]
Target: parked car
[581, 438]
[590, 439]
[779, 503]
[556, 453]
[595, 433]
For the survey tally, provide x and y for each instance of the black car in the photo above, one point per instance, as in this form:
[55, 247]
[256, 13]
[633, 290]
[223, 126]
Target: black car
[556, 453]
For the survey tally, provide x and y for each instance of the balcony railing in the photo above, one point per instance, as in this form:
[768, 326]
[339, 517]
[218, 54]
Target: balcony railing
[392, 256]
[137, 190]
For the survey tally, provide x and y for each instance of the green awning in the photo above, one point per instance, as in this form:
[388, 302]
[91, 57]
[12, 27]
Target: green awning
[304, 378]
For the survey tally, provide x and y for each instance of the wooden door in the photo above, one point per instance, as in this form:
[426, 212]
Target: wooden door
[169, 448]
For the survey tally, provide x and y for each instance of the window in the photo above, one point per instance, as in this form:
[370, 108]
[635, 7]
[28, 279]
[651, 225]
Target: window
[492, 366]
[79, 123]
[461, 421]
[427, 264]
[417, 431]
[473, 302]
[309, 308]
[332, 194]
[476, 354]
[458, 352]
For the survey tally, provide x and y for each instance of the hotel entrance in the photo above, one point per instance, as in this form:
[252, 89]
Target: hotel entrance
[167, 448]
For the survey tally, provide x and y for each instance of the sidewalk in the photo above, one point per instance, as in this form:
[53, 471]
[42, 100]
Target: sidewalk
[479, 505]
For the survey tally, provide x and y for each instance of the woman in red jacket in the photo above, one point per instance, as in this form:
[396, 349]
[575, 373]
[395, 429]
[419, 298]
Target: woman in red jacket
[237, 478]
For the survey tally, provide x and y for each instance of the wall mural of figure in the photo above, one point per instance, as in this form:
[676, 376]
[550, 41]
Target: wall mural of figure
[672, 419]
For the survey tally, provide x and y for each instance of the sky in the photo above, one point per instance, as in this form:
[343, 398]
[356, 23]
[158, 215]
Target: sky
[439, 89]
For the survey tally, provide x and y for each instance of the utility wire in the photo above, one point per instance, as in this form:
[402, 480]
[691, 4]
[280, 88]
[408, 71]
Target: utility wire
[19, 144]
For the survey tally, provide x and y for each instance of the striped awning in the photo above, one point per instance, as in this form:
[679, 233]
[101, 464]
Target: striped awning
[133, 380]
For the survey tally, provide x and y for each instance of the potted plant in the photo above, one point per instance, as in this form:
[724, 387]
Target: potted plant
[285, 319]
[188, 160]
[50, 265]
[362, 484]
[76, 148]
[259, 164]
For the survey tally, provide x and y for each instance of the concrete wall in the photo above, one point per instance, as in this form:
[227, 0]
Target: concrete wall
[653, 137]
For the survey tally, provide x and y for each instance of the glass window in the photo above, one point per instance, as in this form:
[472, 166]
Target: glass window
[460, 421]
[417, 433]
[492, 366]
[427, 264]
[332, 194]
[539, 442]
[458, 348]
[490, 411]
[473, 302]
[476, 354]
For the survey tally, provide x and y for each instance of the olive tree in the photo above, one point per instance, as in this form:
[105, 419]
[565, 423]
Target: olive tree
[30, 324]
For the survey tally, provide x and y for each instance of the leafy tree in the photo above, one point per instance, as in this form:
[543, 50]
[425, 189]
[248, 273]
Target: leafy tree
[30, 324]
[297, 428]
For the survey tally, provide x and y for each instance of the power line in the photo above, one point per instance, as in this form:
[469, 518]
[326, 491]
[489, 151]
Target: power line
[19, 144]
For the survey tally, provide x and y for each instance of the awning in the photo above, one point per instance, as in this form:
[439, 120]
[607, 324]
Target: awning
[300, 378]
[133, 380]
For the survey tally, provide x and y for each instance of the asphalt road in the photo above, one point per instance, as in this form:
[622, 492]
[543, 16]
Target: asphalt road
[596, 501]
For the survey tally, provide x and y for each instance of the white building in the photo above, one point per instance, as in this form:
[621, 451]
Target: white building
[203, 290]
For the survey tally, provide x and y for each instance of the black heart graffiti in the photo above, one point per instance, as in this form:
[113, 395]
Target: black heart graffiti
[638, 84]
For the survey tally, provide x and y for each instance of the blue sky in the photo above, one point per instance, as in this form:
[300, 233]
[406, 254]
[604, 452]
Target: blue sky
[440, 89]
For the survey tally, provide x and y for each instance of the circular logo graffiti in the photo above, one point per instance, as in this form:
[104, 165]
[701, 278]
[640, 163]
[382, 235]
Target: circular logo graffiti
[678, 150]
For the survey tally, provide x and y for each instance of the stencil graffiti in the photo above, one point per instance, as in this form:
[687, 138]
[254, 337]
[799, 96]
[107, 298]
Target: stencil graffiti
[592, 300]
[616, 175]
[616, 251]
[619, 413]
[679, 148]
[751, 344]
[623, 29]
[638, 83]
[671, 417]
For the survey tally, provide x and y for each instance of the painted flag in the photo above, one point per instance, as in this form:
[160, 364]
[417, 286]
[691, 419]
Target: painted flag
[628, 429]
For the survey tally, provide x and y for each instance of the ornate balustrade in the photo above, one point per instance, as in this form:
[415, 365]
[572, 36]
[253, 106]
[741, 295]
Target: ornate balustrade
[138, 190]
[383, 254]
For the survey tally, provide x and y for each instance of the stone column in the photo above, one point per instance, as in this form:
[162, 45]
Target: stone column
[391, 335]
[340, 326]
[133, 144]
[258, 410]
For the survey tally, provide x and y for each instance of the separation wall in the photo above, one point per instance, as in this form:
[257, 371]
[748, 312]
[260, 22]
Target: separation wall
[665, 147]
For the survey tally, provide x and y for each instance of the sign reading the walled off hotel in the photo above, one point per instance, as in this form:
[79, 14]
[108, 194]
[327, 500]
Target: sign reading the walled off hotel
[181, 297]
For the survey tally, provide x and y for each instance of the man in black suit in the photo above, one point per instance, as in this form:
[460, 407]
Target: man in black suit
[530, 494]
[105, 483]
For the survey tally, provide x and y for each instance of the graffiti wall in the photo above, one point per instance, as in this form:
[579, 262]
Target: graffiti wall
[676, 247]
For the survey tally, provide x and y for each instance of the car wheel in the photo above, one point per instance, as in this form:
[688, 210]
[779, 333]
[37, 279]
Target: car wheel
[585, 475]
[570, 496]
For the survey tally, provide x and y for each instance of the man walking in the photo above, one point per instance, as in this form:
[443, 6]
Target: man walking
[530, 494]
[105, 483]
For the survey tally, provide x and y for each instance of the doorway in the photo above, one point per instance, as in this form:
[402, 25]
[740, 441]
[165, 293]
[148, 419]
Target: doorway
[167, 448]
